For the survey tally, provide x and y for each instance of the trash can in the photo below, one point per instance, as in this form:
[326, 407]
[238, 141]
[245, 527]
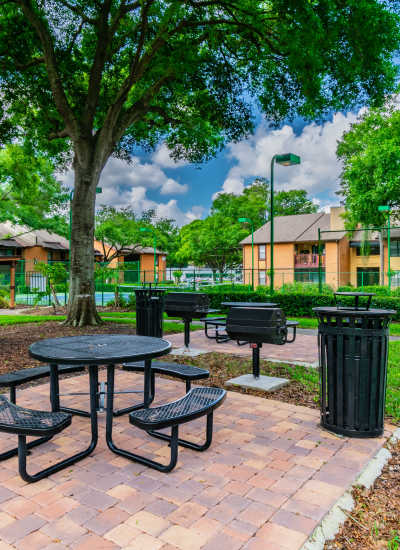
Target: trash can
[353, 350]
[149, 312]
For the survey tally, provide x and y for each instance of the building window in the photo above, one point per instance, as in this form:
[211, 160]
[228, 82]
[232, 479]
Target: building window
[395, 249]
[370, 249]
[261, 251]
[367, 276]
[261, 277]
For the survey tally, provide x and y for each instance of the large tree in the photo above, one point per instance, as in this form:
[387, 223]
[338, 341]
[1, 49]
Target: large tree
[107, 75]
[370, 152]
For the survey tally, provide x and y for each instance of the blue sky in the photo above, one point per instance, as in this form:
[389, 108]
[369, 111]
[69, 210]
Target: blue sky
[185, 192]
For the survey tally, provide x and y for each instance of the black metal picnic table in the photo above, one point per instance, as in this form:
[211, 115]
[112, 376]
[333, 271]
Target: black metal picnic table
[94, 351]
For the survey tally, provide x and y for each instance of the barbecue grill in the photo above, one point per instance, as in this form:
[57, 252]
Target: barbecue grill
[259, 326]
[188, 306]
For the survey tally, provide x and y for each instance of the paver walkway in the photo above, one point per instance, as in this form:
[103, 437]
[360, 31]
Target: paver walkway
[303, 350]
[269, 477]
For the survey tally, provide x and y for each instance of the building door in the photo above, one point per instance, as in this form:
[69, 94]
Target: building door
[367, 276]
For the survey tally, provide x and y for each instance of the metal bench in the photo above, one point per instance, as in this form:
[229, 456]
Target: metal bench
[188, 373]
[27, 422]
[197, 402]
[218, 323]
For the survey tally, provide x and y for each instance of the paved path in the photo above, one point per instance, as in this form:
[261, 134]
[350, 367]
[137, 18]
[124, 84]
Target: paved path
[304, 350]
[266, 482]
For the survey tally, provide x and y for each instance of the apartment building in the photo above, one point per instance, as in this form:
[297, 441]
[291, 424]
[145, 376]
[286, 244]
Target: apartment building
[345, 258]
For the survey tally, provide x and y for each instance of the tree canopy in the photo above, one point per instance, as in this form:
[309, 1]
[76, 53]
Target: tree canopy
[215, 241]
[30, 195]
[370, 152]
[98, 77]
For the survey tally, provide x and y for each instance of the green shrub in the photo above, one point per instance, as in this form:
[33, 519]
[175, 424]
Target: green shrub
[4, 302]
[120, 302]
[294, 304]
[298, 287]
[131, 302]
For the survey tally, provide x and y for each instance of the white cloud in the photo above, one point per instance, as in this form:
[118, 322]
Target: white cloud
[162, 157]
[316, 145]
[172, 187]
[125, 186]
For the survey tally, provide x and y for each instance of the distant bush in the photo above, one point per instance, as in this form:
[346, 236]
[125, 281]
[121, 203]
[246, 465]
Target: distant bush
[294, 304]
[4, 303]
[304, 288]
[131, 302]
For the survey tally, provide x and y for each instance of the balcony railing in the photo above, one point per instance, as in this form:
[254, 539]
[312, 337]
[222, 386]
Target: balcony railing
[308, 260]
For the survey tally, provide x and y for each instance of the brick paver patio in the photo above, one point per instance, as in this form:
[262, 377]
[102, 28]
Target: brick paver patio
[303, 350]
[269, 477]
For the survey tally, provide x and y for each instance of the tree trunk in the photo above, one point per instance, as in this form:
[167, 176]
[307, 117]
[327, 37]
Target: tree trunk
[382, 260]
[81, 301]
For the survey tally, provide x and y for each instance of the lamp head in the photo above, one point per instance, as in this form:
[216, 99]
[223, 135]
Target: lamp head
[288, 159]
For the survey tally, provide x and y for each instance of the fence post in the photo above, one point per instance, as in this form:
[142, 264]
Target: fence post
[319, 262]
[12, 286]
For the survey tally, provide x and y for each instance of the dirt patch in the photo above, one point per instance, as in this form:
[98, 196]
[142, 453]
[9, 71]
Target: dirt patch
[16, 339]
[374, 522]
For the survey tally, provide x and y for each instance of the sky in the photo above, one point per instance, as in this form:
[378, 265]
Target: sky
[185, 192]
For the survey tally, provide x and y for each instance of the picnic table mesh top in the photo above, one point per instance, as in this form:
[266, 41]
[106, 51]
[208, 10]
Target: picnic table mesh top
[99, 349]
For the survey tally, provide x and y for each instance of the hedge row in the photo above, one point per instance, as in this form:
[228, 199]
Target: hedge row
[297, 305]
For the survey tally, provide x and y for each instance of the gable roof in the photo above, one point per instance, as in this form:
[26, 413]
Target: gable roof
[19, 236]
[296, 228]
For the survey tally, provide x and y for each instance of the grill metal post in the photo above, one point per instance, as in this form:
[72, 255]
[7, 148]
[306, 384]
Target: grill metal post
[256, 360]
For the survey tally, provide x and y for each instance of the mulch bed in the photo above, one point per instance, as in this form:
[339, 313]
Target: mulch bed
[16, 339]
[223, 366]
[374, 522]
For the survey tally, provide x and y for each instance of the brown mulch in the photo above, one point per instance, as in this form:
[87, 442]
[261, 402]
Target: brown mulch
[16, 339]
[374, 522]
[223, 366]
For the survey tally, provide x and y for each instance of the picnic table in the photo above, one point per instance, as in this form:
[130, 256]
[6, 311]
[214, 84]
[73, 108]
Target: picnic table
[94, 351]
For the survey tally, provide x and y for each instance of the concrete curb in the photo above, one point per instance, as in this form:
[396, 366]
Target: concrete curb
[331, 523]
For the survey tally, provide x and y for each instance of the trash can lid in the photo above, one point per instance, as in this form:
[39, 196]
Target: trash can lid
[351, 312]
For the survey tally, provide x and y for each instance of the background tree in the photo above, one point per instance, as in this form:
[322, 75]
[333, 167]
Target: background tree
[295, 201]
[30, 195]
[213, 242]
[370, 152]
[118, 231]
[107, 75]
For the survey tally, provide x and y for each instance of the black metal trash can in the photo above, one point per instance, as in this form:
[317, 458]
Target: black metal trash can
[149, 312]
[353, 350]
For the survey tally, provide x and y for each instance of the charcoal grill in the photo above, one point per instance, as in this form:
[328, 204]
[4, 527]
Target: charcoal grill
[259, 326]
[188, 306]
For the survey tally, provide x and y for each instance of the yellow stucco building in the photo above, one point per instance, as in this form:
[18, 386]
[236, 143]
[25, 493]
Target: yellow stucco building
[346, 259]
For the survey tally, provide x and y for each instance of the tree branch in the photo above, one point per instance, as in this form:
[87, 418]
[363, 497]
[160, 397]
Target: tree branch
[58, 91]
[79, 12]
[96, 72]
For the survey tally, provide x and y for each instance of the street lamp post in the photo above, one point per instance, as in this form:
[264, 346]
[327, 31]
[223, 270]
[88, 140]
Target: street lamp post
[288, 159]
[71, 196]
[386, 208]
[248, 220]
[150, 230]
